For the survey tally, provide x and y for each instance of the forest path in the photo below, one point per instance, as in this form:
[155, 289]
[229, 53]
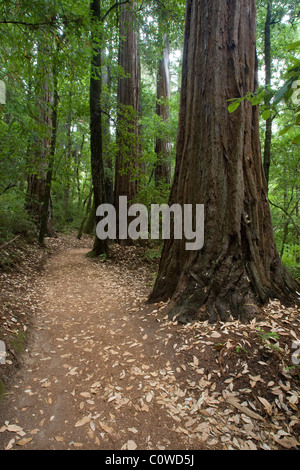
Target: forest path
[95, 366]
[103, 370]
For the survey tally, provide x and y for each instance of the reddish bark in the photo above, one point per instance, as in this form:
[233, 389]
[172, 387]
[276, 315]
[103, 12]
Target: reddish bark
[219, 165]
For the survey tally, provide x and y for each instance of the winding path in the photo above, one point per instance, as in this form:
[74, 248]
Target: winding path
[95, 367]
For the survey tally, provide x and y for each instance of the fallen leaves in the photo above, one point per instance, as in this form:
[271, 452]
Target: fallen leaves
[18, 430]
[83, 421]
[121, 368]
[243, 409]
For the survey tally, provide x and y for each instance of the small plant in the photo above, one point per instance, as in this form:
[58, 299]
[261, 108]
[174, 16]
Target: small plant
[240, 348]
[266, 336]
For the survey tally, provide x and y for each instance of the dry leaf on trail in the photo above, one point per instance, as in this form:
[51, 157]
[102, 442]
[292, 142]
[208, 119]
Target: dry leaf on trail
[195, 361]
[83, 421]
[107, 429]
[131, 445]
[59, 438]
[243, 409]
[10, 444]
[287, 442]
[85, 394]
[14, 428]
[34, 431]
[215, 334]
[134, 430]
[23, 442]
[149, 397]
[267, 405]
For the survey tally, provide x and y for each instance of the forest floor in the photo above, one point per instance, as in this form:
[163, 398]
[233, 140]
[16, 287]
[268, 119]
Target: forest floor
[90, 365]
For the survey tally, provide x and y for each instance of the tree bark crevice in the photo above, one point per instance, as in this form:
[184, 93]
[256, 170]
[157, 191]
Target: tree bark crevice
[219, 164]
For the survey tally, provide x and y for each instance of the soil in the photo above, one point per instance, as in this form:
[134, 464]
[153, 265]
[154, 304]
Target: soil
[91, 365]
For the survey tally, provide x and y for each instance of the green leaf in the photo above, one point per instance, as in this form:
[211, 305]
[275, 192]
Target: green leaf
[293, 46]
[266, 114]
[285, 130]
[233, 106]
[296, 140]
[282, 92]
[258, 97]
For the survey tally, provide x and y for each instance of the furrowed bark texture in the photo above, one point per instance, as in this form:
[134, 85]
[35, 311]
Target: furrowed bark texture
[36, 180]
[268, 76]
[219, 165]
[127, 167]
[126, 183]
[100, 246]
[163, 146]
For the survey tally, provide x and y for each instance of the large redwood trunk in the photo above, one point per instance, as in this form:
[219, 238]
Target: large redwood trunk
[127, 160]
[219, 165]
[163, 146]
[97, 167]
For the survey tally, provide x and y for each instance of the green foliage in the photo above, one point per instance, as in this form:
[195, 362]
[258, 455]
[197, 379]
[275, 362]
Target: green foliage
[13, 218]
[266, 337]
[29, 30]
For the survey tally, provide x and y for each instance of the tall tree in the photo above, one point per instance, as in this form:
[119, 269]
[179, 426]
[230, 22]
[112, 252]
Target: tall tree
[44, 222]
[98, 181]
[41, 152]
[127, 159]
[268, 76]
[163, 145]
[219, 164]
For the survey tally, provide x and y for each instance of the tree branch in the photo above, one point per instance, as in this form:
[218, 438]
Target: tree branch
[10, 186]
[115, 5]
[25, 23]
[10, 241]
[289, 216]
[50, 22]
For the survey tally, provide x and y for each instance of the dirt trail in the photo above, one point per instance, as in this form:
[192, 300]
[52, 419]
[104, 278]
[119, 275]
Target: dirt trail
[105, 371]
[89, 379]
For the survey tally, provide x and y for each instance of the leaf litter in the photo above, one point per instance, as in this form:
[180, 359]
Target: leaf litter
[104, 370]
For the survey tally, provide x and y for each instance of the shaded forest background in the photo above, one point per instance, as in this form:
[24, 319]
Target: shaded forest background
[51, 55]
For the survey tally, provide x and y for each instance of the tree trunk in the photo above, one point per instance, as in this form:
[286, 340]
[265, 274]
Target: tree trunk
[127, 161]
[108, 164]
[219, 165]
[268, 60]
[100, 246]
[46, 212]
[38, 167]
[163, 146]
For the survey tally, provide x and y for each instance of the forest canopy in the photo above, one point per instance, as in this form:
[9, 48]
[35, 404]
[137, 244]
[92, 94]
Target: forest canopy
[94, 88]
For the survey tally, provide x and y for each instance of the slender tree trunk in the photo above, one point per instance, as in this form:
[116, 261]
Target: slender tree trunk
[41, 148]
[268, 74]
[219, 165]
[47, 204]
[68, 162]
[163, 146]
[108, 164]
[100, 246]
[127, 161]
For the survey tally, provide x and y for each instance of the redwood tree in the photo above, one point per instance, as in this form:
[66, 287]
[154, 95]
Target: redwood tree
[219, 165]
[98, 180]
[163, 146]
[127, 159]
[38, 163]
